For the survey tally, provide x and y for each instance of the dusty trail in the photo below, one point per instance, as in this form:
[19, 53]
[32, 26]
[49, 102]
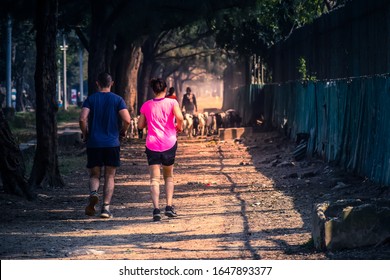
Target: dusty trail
[233, 199]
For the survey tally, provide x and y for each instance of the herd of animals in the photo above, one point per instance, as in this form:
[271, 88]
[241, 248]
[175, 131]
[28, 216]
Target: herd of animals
[197, 124]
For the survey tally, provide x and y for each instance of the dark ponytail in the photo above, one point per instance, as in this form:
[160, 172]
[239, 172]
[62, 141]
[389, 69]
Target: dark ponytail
[158, 85]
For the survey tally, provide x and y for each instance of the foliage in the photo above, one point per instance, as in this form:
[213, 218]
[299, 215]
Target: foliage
[302, 69]
[191, 47]
[253, 31]
[70, 115]
[71, 14]
[27, 119]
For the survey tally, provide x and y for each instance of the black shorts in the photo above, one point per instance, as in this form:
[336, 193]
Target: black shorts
[109, 156]
[165, 158]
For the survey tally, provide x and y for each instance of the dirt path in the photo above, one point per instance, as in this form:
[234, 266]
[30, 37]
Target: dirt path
[235, 200]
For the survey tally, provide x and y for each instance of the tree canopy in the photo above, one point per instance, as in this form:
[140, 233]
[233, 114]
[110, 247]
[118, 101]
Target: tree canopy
[127, 36]
[252, 31]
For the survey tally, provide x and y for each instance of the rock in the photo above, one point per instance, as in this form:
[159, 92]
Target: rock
[234, 133]
[347, 224]
[340, 185]
[285, 164]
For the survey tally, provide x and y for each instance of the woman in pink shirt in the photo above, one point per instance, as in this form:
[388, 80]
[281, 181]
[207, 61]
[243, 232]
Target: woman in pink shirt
[158, 115]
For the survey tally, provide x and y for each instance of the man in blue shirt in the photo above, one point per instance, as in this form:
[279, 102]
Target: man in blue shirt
[100, 124]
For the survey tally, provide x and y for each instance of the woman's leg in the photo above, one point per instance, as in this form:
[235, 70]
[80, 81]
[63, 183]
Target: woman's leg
[169, 185]
[154, 171]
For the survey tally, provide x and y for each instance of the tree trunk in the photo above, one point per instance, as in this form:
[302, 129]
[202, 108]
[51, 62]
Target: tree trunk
[132, 81]
[12, 168]
[146, 69]
[125, 66]
[100, 45]
[145, 77]
[45, 171]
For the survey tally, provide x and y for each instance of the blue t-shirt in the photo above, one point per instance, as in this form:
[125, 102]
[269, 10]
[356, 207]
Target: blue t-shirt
[103, 119]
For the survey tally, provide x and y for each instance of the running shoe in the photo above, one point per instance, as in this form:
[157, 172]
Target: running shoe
[106, 214]
[156, 215]
[170, 211]
[90, 209]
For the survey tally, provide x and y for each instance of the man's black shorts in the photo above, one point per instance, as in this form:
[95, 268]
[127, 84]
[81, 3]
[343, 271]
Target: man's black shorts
[109, 156]
[165, 158]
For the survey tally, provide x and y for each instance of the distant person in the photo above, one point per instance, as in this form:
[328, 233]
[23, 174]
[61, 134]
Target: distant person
[159, 115]
[171, 93]
[100, 126]
[189, 102]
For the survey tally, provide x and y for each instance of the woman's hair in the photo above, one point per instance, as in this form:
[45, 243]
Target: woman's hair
[158, 85]
[104, 79]
[171, 91]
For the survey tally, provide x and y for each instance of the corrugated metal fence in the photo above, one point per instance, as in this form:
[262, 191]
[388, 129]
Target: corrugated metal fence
[348, 120]
[352, 41]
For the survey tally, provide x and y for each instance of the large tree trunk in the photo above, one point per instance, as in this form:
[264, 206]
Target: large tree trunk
[45, 171]
[125, 66]
[100, 45]
[146, 69]
[132, 81]
[12, 168]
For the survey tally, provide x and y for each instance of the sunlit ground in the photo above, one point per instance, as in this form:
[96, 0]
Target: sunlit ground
[208, 102]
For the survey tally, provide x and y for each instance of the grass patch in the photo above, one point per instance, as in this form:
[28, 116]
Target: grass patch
[23, 124]
[23, 128]
[71, 115]
[71, 162]
[67, 163]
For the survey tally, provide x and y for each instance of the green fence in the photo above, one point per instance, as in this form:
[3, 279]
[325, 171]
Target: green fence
[348, 120]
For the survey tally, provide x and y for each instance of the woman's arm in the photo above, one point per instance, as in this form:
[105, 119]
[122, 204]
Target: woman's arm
[142, 121]
[179, 117]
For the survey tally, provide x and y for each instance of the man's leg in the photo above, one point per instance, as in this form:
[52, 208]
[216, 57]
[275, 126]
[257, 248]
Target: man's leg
[94, 181]
[108, 190]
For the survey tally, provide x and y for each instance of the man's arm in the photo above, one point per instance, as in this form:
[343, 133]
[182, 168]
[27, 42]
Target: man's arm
[125, 116]
[182, 103]
[83, 123]
[196, 106]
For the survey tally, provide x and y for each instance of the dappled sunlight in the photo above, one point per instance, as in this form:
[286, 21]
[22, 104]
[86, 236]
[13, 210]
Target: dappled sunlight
[227, 210]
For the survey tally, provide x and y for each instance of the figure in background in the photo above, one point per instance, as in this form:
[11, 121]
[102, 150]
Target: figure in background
[189, 102]
[171, 93]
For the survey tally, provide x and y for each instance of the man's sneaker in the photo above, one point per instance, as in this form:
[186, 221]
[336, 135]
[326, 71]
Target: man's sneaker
[106, 214]
[156, 214]
[170, 212]
[90, 209]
